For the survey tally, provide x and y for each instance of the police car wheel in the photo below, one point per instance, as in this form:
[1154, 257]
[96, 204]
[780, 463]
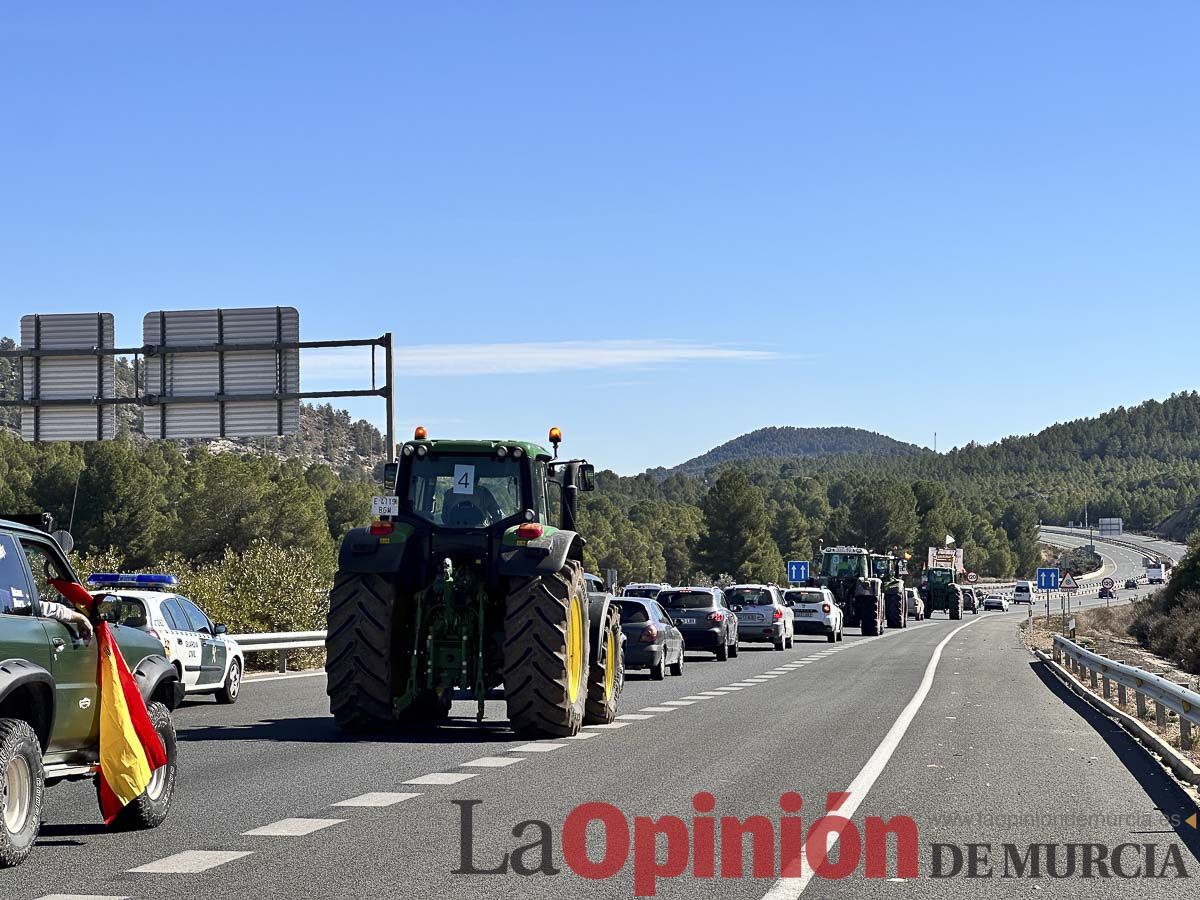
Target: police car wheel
[22, 785]
[233, 684]
[151, 808]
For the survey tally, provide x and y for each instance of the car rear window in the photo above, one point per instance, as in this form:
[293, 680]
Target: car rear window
[633, 612]
[647, 593]
[686, 599]
[805, 596]
[750, 597]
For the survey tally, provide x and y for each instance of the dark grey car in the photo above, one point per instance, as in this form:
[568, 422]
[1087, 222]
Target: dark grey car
[705, 618]
[651, 639]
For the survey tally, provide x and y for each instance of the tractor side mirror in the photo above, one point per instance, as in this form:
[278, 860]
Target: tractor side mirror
[391, 473]
[587, 477]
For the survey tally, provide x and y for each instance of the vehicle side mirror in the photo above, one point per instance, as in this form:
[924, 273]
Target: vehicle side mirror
[391, 474]
[220, 629]
[587, 477]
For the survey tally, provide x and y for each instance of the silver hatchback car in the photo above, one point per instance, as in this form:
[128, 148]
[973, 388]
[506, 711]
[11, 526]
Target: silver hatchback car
[762, 615]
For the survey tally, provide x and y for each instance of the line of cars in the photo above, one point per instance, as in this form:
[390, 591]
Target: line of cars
[661, 622]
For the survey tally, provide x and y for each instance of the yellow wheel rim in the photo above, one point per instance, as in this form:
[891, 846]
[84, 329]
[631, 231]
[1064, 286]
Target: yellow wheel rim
[610, 663]
[575, 633]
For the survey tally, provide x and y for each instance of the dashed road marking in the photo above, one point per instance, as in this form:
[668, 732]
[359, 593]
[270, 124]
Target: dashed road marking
[743, 684]
[583, 736]
[493, 762]
[696, 697]
[659, 709]
[679, 702]
[442, 778]
[190, 862]
[292, 827]
[634, 717]
[609, 725]
[539, 747]
[377, 799]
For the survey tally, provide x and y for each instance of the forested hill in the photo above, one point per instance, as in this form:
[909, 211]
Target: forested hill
[789, 442]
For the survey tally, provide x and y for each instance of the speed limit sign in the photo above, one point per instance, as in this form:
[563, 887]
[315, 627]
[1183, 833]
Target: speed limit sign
[1107, 582]
[972, 578]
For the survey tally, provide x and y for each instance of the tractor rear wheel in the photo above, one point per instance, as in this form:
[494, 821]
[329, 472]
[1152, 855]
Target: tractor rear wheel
[607, 672]
[895, 610]
[546, 653]
[358, 659]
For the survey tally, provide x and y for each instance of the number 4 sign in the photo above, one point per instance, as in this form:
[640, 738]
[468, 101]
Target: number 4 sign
[464, 479]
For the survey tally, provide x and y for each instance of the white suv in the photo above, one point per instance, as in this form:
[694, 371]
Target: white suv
[207, 660]
[815, 612]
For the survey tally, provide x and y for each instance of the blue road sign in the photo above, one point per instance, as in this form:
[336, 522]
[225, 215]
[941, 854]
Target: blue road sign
[798, 571]
[1048, 579]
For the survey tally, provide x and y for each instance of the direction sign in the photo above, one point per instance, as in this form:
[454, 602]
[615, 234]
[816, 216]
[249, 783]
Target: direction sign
[1068, 583]
[797, 571]
[972, 578]
[1047, 579]
[1108, 583]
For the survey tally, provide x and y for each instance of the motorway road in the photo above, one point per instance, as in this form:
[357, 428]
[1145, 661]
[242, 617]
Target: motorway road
[983, 746]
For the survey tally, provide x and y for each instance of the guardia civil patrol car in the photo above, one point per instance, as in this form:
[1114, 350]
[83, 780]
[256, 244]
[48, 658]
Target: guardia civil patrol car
[208, 661]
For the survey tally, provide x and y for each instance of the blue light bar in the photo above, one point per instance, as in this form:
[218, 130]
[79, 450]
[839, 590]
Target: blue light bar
[129, 579]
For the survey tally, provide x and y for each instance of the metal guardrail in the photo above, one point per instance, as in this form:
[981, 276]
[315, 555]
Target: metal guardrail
[1103, 673]
[279, 641]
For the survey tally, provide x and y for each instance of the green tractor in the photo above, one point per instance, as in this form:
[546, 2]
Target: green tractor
[849, 573]
[890, 570]
[941, 591]
[471, 577]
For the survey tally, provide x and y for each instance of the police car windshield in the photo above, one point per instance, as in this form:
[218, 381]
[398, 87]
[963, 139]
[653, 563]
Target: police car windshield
[805, 596]
[464, 491]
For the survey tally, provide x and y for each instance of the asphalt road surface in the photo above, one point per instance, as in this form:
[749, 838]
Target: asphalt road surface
[952, 724]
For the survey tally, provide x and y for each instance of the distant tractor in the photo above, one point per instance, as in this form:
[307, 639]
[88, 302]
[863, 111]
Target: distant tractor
[850, 575]
[941, 592]
[471, 577]
[890, 570]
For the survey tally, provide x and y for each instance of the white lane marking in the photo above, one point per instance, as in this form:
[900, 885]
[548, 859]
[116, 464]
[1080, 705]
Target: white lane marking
[740, 685]
[679, 702]
[442, 778]
[659, 709]
[634, 717]
[260, 680]
[540, 747]
[377, 799]
[720, 692]
[695, 697]
[493, 762]
[583, 736]
[609, 725]
[791, 888]
[81, 897]
[191, 861]
[292, 827]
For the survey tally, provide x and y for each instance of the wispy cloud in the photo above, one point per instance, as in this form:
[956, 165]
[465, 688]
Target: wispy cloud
[445, 360]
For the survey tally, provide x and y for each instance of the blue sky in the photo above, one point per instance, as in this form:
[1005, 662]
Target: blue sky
[655, 225]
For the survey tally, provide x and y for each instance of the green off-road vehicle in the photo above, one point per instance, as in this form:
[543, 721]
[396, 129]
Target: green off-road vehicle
[470, 578]
[49, 698]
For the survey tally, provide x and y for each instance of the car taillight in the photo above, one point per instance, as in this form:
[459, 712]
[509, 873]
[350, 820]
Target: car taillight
[530, 531]
[382, 528]
[826, 608]
[649, 634]
[777, 615]
[716, 617]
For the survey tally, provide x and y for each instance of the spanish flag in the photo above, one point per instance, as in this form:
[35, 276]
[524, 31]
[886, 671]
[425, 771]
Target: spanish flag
[130, 748]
